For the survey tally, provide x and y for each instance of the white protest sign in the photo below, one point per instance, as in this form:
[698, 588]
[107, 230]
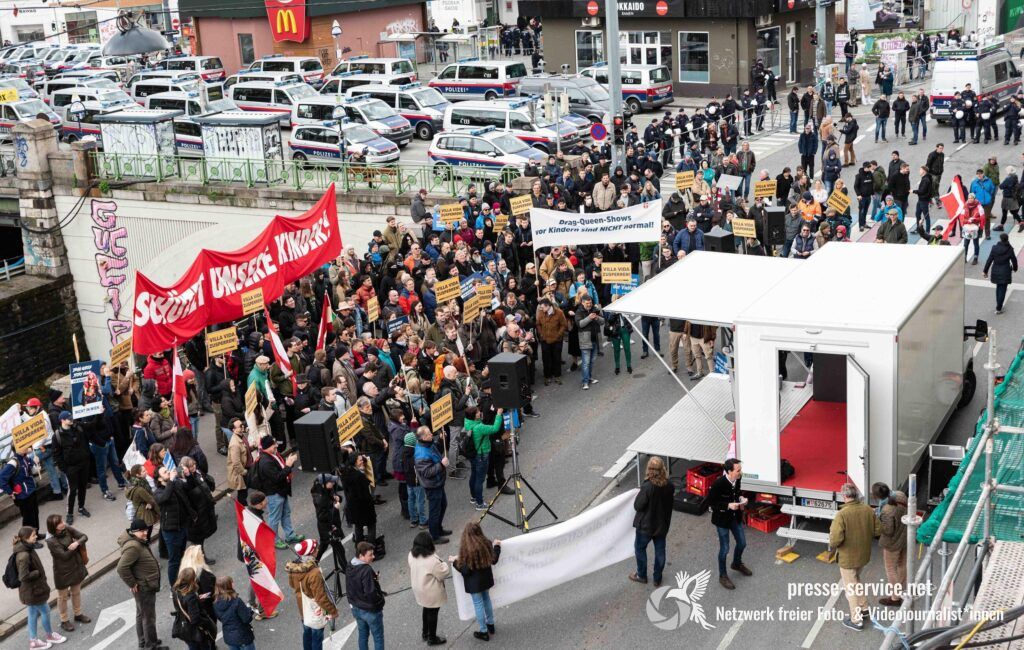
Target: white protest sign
[546, 558]
[638, 223]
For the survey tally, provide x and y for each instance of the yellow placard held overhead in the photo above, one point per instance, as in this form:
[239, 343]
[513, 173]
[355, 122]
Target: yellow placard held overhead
[839, 202]
[441, 412]
[452, 212]
[121, 352]
[765, 189]
[744, 228]
[520, 204]
[684, 180]
[616, 273]
[446, 290]
[28, 433]
[252, 301]
[471, 308]
[373, 309]
[349, 424]
[221, 341]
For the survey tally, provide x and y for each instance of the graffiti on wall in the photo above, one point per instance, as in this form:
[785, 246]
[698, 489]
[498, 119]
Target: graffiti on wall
[111, 262]
[402, 26]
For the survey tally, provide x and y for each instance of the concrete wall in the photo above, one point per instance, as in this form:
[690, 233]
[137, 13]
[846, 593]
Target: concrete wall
[219, 37]
[159, 230]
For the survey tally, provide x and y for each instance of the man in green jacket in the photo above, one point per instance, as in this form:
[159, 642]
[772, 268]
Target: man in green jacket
[851, 535]
[141, 572]
[481, 435]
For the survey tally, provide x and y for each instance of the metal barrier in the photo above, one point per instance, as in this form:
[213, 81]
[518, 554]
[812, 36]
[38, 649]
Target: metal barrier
[395, 178]
[12, 267]
[6, 163]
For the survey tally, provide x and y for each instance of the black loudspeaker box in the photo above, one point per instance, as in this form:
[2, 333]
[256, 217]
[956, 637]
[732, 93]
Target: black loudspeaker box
[507, 376]
[719, 240]
[774, 225]
[316, 436]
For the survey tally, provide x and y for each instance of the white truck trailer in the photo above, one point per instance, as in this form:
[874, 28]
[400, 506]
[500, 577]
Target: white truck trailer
[883, 329]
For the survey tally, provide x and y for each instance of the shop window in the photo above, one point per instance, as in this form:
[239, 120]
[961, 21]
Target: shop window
[645, 48]
[589, 48]
[769, 49]
[694, 63]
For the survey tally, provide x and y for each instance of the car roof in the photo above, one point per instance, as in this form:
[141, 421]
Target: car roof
[271, 57]
[268, 84]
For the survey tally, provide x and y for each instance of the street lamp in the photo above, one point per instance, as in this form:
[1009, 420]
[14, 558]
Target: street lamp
[336, 34]
[339, 118]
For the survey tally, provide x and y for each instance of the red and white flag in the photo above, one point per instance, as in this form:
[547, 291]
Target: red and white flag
[326, 319]
[954, 202]
[280, 353]
[257, 544]
[179, 393]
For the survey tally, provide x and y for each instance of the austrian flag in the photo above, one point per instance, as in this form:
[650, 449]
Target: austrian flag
[257, 544]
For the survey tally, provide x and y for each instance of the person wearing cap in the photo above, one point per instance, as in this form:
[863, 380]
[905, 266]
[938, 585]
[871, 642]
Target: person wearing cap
[888, 204]
[74, 458]
[275, 479]
[140, 570]
[935, 237]
[892, 231]
[307, 581]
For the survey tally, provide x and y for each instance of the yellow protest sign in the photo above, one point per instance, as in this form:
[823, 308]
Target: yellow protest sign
[446, 290]
[251, 399]
[349, 424]
[485, 290]
[500, 221]
[252, 301]
[764, 189]
[471, 308]
[451, 212]
[744, 227]
[616, 273]
[684, 180]
[28, 433]
[520, 204]
[8, 95]
[441, 412]
[120, 352]
[373, 309]
[839, 202]
[221, 342]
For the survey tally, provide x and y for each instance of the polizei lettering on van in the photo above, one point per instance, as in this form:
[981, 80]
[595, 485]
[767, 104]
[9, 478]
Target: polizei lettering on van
[225, 280]
[294, 245]
[157, 310]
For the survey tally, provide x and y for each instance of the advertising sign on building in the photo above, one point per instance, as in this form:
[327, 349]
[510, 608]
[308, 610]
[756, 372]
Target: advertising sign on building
[288, 20]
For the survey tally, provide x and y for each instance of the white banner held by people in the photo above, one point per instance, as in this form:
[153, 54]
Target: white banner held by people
[546, 558]
[637, 223]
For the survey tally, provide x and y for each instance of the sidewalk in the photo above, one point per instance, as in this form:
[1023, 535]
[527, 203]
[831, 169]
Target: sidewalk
[103, 528]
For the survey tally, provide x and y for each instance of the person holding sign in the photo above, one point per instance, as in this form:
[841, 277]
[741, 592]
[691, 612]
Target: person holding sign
[16, 480]
[431, 466]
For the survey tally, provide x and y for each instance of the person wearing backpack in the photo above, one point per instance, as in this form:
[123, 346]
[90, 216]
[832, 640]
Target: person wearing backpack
[16, 480]
[478, 446]
[29, 577]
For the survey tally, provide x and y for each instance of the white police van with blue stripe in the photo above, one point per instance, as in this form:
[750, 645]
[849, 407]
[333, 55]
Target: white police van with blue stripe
[378, 116]
[319, 144]
[487, 148]
[476, 79]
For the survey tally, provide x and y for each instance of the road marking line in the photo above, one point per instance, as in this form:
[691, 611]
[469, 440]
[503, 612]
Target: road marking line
[730, 635]
[975, 282]
[859, 138]
[813, 633]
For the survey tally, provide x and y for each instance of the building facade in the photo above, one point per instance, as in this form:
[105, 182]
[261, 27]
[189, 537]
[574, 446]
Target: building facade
[708, 47]
[240, 31]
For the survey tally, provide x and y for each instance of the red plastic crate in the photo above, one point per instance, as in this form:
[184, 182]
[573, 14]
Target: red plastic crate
[767, 524]
[700, 478]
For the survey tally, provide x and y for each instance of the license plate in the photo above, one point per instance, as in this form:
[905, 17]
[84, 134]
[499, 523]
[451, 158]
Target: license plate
[817, 503]
[401, 142]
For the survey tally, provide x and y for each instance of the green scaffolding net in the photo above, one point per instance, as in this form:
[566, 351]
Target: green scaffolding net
[1007, 469]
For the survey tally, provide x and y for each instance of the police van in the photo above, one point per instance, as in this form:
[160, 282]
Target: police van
[143, 85]
[308, 67]
[271, 97]
[319, 144]
[24, 110]
[208, 67]
[586, 97]
[25, 91]
[51, 86]
[375, 114]
[423, 107]
[989, 70]
[255, 75]
[522, 118]
[643, 86]
[79, 117]
[486, 148]
[377, 70]
[473, 78]
[112, 97]
[190, 104]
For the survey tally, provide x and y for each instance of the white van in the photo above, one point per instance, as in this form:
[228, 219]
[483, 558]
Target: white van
[309, 67]
[191, 103]
[252, 75]
[140, 87]
[107, 97]
[422, 106]
[377, 70]
[208, 67]
[373, 113]
[279, 97]
[51, 86]
[522, 118]
[643, 86]
[473, 78]
[23, 111]
[989, 70]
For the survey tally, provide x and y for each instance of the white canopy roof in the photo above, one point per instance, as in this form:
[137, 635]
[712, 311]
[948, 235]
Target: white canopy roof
[705, 287]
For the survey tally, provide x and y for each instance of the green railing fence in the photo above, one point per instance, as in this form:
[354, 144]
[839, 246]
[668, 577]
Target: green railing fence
[397, 178]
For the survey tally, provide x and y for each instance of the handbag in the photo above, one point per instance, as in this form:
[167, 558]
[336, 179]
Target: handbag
[133, 457]
[313, 615]
[84, 554]
[970, 231]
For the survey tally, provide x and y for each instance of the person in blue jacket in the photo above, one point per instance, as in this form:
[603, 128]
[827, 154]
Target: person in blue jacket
[16, 480]
[688, 239]
[807, 145]
[888, 204]
[984, 190]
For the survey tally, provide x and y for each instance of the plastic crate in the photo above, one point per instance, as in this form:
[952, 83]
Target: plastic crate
[768, 524]
[700, 478]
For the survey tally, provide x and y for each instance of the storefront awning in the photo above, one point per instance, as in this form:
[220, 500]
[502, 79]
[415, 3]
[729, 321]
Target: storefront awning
[454, 38]
[400, 38]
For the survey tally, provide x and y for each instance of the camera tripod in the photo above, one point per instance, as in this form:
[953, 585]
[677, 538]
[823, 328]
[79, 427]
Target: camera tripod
[517, 482]
[335, 575]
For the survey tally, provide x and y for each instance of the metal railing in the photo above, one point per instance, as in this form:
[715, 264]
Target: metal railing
[6, 163]
[291, 174]
[12, 267]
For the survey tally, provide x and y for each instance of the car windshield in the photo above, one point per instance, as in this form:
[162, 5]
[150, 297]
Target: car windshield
[54, 55]
[596, 93]
[101, 82]
[509, 143]
[429, 97]
[516, 71]
[81, 56]
[278, 66]
[31, 108]
[659, 75]
[221, 105]
[401, 67]
[377, 110]
[359, 134]
[180, 65]
[16, 82]
[301, 91]
[112, 97]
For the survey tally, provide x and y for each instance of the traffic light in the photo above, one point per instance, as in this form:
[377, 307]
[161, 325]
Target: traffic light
[814, 38]
[619, 129]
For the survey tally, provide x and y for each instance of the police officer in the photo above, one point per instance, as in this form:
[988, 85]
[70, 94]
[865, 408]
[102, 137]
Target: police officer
[843, 96]
[987, 119]
[729, 107]
[958, 113]
[760, 107]
[971, 112]
[747, 102]
[769, 85]
[1011, 122]
[713, 109]
[828, 94]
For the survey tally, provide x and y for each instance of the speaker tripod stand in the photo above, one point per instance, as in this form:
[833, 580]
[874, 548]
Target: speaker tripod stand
[517, 482]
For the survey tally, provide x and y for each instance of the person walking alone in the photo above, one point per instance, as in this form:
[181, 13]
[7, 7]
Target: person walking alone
[726, 500]
[1000, 266]
[477, 555]
[851, 535]
[427, 573]
[653, 505]
[881, 110]
[140, 570]
[67, 546]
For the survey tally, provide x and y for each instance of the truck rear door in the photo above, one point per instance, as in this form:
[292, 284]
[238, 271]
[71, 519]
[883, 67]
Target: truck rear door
[858, 388]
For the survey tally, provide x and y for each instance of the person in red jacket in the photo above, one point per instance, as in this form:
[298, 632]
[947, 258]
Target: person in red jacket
[158, 368]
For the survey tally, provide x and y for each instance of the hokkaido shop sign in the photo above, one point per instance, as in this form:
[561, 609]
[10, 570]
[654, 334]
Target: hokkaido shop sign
[628, 8]
[211, 290]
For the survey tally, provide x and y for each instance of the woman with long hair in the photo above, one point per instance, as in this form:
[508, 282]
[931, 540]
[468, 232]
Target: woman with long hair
[653, 505]
[192, 624]
[427, 572]
[33, 592]
[477, 555]
[67, 546]
[185, 444]
[193, 558]
[234, 615]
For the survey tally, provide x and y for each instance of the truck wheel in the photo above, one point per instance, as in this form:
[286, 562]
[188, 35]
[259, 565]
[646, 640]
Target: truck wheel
[490, 96]
[634, 105]
[970, 384]
[424, 131]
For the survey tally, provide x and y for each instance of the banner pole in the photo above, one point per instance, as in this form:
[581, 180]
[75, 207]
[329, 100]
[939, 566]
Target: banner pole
[74, 341]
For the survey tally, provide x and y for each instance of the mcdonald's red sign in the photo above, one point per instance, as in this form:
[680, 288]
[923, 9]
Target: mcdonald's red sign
[288, 21]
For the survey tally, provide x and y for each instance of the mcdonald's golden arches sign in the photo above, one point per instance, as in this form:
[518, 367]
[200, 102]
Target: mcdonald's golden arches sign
[288, 21]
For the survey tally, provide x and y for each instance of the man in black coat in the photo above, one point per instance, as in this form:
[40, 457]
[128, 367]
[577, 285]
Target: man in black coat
[1002, 262]
[275, 479]
[71, 442]
[726, 501]
[362, 588]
